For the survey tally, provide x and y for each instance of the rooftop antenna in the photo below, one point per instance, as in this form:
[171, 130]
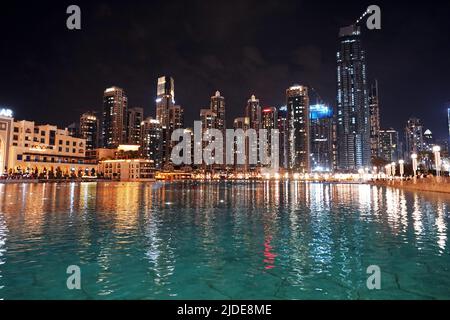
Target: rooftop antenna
[362, 17]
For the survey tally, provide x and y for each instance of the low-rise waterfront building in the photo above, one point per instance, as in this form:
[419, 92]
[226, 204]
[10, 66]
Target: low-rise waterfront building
[127, 169]
[28, 148]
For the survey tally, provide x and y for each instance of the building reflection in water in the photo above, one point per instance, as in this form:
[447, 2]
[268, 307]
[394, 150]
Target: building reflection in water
[158, 235]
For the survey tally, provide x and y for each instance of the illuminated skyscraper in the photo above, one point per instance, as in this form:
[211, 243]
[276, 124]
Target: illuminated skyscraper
[321, 122]
[151, 141]
[413, 137]
[428, 141]
[269, 121]
[298, 116]
[208, 119]
[253, 112]
[241, 123]
[353, 123]
[283, 127]
[135, 118]
[165, 98]
[218, 107]
[89, 129]
[169, 115]
[389, 145]
[448, 120]
[244, 124]
[114, 119]
[374, 110]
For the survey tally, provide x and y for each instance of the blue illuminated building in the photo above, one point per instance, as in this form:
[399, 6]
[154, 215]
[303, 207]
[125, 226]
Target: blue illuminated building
[321, 137]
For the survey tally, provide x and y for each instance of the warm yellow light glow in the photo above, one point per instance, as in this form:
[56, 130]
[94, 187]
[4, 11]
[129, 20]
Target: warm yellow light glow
[128, 147]
[436, 148]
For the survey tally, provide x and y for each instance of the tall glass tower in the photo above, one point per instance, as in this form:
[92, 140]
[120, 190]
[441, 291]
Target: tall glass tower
[448, 118]
[353, 118]
[297, 101]
[114, 120]
[321, 135]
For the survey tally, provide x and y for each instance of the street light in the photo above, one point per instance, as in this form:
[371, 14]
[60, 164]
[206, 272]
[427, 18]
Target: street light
[393, 169]
[388, 169]
[437, 159]
[401, 162]
[414, 163]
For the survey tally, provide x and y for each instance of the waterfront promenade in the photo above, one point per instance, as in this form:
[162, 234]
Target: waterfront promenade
[428, 184]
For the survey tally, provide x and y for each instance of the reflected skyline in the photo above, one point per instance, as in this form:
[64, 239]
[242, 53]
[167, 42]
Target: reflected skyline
[221, 240]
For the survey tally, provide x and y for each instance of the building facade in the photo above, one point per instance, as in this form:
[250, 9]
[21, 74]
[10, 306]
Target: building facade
[241, 123]
[389, 145]
[217, 106]
[89, 125]
[253, 112]
[6, 129]
[169, 115]
[42, 150]
[283, 128]
[298, 117]
[413, 137]
[134, 120]
[448, 122]
[114, 117]
[127, 170]
[353, 123]
[374, 111]
[269, 122]
[151, 141]
[428, 141]
[321, 135]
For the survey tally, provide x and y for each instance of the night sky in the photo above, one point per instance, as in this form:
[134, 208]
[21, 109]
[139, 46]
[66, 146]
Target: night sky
[50, 74]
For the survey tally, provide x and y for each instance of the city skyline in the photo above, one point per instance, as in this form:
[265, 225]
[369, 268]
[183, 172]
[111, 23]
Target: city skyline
[256, 68]
[225, 158]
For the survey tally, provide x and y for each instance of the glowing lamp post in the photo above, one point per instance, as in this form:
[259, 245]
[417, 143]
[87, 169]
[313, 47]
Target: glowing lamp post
[437, 159]
[402, 169]
[414, 163]
[388, 170]
[393, 169]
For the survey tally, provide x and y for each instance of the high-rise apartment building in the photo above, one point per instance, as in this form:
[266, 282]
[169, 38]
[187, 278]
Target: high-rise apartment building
[208, 119]
[114, 118]
[89, 129]
[242, 123]
[389, 149]
[218, 107]
[353, 123]
[169, 115]
[283, 128]
[135, 118]
[298, 116]
[448, 122]
[374, 111]
[428, 140]
[413, 137]
[151, 141]
[253, 112]
[269, 122]
[321, 135]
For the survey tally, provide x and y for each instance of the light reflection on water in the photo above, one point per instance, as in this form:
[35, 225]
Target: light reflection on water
[286, 240]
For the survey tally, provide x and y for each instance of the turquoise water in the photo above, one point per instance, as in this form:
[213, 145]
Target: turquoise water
[222, 241]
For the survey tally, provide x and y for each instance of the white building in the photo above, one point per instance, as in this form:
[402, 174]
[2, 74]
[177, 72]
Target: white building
[29, 148]
[127, 169]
